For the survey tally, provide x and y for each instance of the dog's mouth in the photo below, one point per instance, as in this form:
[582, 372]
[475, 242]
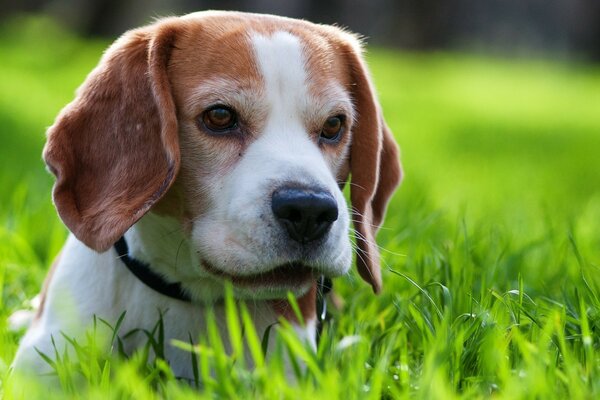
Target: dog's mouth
[290, 276]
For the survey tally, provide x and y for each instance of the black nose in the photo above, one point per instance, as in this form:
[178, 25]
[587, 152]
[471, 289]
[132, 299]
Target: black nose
[306, 214]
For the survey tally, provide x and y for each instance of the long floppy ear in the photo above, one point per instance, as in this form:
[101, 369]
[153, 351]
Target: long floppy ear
[375, 170]
[114, 149]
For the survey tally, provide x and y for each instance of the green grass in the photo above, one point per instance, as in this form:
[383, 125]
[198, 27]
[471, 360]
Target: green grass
[491, 247]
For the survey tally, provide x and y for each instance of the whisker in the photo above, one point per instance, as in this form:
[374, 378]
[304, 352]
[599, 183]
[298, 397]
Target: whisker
[350, 183]
[364, 223]
[177, 253]
[373, 243]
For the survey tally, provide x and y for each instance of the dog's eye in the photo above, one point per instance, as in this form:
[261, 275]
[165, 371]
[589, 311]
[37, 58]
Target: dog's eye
[219, 119]
[332, 128]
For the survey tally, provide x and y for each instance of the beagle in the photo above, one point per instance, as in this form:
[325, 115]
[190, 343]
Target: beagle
[206, 149]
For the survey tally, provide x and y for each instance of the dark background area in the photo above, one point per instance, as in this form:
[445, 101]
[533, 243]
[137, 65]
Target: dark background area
[547, 28]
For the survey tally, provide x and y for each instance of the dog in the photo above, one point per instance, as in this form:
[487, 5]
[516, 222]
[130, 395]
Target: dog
[206, 149]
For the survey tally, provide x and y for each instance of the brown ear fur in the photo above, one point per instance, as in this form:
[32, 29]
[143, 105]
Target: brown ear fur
[375, 171]
[114, 149]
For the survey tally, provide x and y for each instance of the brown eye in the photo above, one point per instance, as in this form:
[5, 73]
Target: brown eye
[219, 119]
[332, 128]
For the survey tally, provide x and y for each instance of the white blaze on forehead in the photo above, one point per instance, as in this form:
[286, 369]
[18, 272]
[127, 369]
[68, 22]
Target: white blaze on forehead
[282, 67]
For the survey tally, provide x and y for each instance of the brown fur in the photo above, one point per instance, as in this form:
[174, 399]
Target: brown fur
[375, 169]
[114, 149]
[307, 304]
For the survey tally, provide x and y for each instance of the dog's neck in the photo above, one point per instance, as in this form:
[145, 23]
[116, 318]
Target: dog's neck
[161, 242]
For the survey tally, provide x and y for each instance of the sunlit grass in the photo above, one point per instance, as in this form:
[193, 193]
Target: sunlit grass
[491, 247]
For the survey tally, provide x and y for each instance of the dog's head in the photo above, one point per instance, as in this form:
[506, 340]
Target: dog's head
[245, 128]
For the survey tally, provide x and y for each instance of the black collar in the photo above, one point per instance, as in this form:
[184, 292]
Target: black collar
[150, 278]
[142, 271]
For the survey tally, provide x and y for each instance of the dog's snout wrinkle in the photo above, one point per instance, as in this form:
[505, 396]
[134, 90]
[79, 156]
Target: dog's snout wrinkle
[306, 214]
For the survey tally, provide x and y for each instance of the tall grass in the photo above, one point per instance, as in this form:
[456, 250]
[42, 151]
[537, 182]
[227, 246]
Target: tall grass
[491, 248]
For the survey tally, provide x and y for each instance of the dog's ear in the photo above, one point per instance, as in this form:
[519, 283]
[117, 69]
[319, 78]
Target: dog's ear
[114, 149]
[374, 166]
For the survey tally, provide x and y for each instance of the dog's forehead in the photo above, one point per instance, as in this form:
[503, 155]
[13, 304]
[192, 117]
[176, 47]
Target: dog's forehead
[231, 47]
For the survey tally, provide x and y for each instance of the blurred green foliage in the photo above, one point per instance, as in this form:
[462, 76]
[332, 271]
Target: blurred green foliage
[491, 247]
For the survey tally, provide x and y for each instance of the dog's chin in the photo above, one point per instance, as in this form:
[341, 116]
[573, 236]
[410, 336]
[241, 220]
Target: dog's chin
[275, 283]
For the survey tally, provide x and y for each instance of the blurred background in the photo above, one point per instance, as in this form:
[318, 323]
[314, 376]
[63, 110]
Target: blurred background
[558, 28]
